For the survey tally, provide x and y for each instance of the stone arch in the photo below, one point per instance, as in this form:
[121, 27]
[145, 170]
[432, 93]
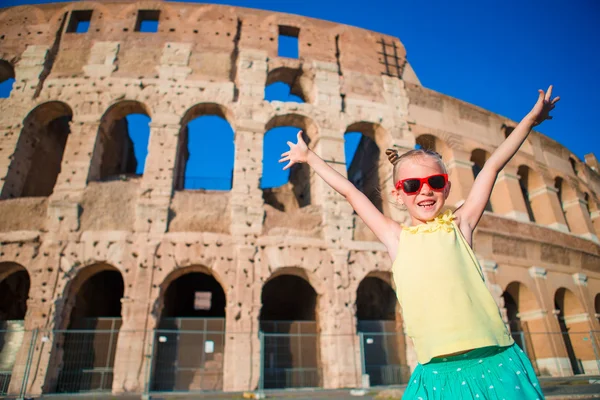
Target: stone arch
[525, 319]
[37, 159]
[574, 325]
[296, 192]
[14, 292]
[565, 194]
[114, 153]
[530, 182]
[289, 322]
[192, 309]
[479, 158]
[88, 330]
[215, 121]
[299, 83]
[597, 306]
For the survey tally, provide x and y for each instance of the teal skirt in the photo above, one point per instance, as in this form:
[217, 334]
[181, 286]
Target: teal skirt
[488, 373]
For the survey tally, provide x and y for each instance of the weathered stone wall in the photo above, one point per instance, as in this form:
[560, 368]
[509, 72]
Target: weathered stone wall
[216, 60]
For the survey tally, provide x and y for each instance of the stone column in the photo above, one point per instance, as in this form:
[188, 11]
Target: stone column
[552, 356]
[10, 183]
[460, 173]
[507, 197]
[578, 217]
[156, 188]
[247, 210]
[339, 343]
[336, 212]
[546, 207]
[241, 369]
[77, 168]
[134, 348]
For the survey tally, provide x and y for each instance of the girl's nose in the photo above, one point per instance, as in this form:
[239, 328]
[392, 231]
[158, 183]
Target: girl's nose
[426, 189]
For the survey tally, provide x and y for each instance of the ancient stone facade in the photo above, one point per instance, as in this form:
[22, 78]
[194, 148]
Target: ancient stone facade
[70, 214]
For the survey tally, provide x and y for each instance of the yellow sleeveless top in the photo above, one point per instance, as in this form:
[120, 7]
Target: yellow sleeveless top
[446, 306]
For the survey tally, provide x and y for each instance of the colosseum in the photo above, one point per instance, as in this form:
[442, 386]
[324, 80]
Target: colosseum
[117, 280]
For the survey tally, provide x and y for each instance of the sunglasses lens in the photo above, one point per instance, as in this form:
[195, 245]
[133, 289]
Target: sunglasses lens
[437, 182]
[411, 185]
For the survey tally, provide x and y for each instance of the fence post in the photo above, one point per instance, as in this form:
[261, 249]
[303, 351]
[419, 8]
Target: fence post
[149, 359]
[363, 366]
[28, 364]
[261, 376]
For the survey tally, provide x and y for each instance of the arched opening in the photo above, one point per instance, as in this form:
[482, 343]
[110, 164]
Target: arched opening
[597, 306]
[37, 159]
[14, 291]
[199, 166]
[7, 79]
[123, 146]
[90, 341]
[525, 182]
[288, 85]
[559, 185]
[573, 323]
[290, 189]
[525, 321]
[365, 165]
[290, 333]
[378, 320]
[478, 158]
[189, 343]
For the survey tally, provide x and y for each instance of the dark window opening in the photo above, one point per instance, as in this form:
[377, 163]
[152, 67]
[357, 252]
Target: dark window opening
[523, 173]
[388, 57]
[363, 167]
[478, 158]
[514, 322]
[573, 165]
[287, 319]
[7, 79]
[80, 21]
[190, 342]
[147, 21]
[559, 304]
[507, 130]
[281, 91]
[288, 42]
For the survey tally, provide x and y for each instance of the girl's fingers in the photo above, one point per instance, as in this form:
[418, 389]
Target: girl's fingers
[289, 165]
[549, 93]
[287, 153]
[284, 159]
[557, 98]
[299, 136]
[290, 144]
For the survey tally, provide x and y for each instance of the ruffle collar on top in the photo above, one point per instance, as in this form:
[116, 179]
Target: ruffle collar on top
[442, 221]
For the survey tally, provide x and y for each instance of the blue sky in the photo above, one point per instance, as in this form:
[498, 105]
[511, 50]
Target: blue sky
[494, 54]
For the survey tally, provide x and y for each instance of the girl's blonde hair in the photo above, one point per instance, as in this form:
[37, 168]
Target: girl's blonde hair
[397, 159]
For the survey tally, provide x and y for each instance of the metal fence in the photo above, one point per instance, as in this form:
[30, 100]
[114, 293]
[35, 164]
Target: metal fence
[187, 355]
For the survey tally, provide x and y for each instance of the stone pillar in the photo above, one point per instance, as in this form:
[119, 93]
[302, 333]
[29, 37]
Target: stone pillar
[10, 183]
[553, 357]
[156, 188]
[77, 168]
[595, 217]
[460, 173]
[507, 198]
[546, 207]
[578, 217]
[336, 211]
[241, 369]
[327, 86]
[134, 348]
[339, 343]
[247, 210]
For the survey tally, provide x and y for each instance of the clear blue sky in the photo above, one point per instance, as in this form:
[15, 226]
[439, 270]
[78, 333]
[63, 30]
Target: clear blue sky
[494, 54]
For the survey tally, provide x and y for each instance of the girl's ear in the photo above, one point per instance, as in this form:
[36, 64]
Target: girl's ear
[396, 195]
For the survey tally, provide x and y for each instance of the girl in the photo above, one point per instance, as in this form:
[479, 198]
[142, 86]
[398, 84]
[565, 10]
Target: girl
[463, 347]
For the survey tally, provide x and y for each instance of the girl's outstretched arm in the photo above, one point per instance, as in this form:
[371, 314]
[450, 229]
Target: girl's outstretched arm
[474, 205]
[386, 230]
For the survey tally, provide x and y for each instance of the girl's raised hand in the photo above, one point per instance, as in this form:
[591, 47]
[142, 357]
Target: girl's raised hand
[298, 152]
[543, 106]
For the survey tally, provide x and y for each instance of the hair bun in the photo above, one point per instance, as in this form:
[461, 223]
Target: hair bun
[392, 156]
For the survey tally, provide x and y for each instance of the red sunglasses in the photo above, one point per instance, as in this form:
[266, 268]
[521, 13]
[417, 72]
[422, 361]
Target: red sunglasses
[413, 185]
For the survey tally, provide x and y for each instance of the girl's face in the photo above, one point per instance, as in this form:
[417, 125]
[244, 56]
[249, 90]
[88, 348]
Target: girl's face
[425, 204]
